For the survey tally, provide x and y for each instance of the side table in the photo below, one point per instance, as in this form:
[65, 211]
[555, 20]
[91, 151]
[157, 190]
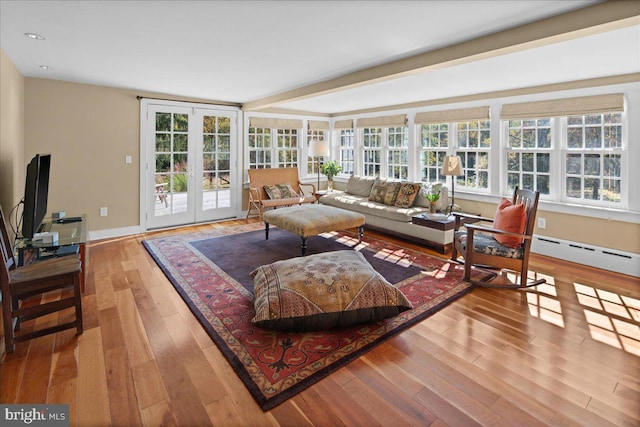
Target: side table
[69, 234]
[445, 223]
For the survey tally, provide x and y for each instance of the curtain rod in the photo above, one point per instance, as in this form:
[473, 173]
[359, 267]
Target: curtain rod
[226, 104]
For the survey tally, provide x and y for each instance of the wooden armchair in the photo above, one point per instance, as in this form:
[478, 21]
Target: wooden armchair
[34, 280]
[481, 245]
[258, 198]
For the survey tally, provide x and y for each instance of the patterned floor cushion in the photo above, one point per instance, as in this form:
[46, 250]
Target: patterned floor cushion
[323, 291]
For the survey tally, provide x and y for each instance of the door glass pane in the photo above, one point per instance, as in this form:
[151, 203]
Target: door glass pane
[171, 163]
[216, 155]
[179, 187]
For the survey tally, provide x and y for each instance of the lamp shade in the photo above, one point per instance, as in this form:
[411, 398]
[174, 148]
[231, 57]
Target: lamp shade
[452, 166]
[318, 148]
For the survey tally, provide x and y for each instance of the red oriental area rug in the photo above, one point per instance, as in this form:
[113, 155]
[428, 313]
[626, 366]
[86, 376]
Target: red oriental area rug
[211, 270]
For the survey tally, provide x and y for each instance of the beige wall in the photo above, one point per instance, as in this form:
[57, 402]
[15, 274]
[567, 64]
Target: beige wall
[11, 134]
[88, 130]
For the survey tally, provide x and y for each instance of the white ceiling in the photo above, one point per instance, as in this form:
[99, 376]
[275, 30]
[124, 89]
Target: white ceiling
[242, 51]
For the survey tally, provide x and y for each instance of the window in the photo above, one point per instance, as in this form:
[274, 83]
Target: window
[287, 149]
[263, 153]
[312, 164]
[580, 140]
[389, 159]
[397, 155]
[474, 142]
[435, 142]
[528, 157]
[346, 152]
[592, 162]
[372, 143]
[259, 148]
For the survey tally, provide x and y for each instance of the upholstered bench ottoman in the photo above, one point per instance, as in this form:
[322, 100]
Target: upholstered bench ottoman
[311, 220]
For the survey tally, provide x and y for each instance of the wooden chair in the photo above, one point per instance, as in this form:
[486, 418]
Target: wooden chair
[34, 280]
[258, 198]
[478, 246]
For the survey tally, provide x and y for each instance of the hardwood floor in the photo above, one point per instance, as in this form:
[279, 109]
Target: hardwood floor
[566, 353]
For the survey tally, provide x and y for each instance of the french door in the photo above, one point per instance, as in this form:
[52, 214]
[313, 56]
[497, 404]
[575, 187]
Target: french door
[190, 157]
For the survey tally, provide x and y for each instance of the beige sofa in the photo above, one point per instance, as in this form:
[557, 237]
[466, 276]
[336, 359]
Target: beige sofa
[387, 217]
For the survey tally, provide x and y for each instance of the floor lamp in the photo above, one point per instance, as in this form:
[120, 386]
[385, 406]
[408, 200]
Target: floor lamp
[452, 166]
[318, 149]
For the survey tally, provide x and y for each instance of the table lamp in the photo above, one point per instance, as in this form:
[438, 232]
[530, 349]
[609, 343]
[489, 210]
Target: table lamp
[318, 149]
[452, 166]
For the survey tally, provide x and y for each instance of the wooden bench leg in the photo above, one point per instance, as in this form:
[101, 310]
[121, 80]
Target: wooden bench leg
[360, 233]
[304, 245]
[266, 231]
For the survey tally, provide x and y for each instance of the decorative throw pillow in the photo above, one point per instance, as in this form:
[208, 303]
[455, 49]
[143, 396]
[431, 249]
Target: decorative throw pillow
[384, 192]
[392, 192]
[323, 291]
[510, 217]
[359, 185]
[407, 193]
[280, 191]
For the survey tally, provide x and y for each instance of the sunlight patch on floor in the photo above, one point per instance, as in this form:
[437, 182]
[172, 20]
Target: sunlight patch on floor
[511, 277]
[398, 257]
[634, 307]
[544, 307]
[439, 273]
[613, 319]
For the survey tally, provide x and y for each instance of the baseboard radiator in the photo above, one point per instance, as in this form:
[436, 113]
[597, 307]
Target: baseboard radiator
[594, 256]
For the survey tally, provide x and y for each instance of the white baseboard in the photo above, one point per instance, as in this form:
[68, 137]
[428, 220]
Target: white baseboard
[591, 255]
[115, 232]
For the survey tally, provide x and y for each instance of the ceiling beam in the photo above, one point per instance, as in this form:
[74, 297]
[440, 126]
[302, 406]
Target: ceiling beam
[571, 25]
[546, 88]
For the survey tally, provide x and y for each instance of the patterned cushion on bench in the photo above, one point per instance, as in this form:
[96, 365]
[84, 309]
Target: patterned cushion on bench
[323, 291]
[280, 191]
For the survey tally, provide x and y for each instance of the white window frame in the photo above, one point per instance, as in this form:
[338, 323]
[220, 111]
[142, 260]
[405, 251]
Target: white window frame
[347, 151]
[366, 148]
[531, 126]
[384, 151]
[395, 150]
[312, 164]
[440, 151]
[285, 145]
[601, 151]
[277, 137]
[466, 152]
[260, 148]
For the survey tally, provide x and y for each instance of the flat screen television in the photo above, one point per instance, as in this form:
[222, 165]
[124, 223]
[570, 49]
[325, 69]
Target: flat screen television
[36, 193]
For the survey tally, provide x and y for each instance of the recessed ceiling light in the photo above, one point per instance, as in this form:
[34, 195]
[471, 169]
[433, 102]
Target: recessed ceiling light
[35, 36]
[46, 67]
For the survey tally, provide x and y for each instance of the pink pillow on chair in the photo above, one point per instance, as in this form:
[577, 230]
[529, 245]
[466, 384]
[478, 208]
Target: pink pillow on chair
[512, 218]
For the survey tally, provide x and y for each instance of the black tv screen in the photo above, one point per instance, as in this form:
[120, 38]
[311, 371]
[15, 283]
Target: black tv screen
[36, 193]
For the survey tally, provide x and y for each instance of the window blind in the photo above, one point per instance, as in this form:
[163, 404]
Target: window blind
[564, 107]
[451, 116]
[383, 121]
[318, 125]
[343, 124]
[271, 122]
